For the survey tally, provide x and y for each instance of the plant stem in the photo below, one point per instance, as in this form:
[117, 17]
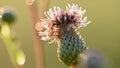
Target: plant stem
[38, 44]
[8, 43]
[75, 66]
[11, 45]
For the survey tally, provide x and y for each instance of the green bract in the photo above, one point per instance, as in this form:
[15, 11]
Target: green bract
[69, 48]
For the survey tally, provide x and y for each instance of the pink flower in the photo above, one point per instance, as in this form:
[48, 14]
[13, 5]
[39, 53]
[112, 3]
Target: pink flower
[58, 19]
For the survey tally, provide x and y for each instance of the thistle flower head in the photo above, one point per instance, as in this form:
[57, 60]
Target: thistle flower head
[61, 24]
[7, 15]
[58, 19]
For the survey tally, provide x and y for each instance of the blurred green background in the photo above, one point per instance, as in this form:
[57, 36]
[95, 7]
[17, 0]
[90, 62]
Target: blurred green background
[102, 34]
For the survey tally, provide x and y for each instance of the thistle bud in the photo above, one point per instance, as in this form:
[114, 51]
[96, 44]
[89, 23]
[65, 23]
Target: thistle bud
[69, 47]
[8, 16]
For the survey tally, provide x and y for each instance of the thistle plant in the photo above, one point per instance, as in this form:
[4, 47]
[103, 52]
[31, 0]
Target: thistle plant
[61, 25]
[7, 18]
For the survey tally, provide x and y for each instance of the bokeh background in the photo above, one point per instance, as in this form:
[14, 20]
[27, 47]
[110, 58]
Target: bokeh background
[103, 34]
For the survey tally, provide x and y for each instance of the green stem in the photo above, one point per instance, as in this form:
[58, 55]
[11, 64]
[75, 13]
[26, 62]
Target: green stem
[11, 45]
[8, 42]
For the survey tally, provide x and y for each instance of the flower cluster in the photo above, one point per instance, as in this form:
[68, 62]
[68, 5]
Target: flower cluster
[58, 19]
